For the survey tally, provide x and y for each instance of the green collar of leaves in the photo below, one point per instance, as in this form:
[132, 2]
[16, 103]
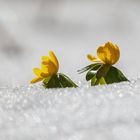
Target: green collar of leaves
[58, 80]
[100, 73]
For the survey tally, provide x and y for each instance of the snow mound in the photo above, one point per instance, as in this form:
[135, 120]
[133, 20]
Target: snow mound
[86, 113]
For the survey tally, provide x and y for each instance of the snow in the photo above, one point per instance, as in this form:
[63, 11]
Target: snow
[101, 113]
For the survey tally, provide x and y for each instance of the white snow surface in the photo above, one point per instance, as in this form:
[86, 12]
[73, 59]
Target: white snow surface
[86, 113]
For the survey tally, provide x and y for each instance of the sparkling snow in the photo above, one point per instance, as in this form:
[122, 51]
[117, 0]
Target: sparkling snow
[100, 113]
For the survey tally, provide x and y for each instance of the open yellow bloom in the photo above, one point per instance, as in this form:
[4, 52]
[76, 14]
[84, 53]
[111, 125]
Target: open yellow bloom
[108, 54]
[49, 67]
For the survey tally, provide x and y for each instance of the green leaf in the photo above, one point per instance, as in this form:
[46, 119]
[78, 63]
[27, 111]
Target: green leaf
[114, 75]
[94, 81]
[58, 81]
[90, 74]
[102, 71]
[90, 67]
[66, 81]
[46, 80]
[53, 82]
[96, 67]
[107, 75]
[102, 81]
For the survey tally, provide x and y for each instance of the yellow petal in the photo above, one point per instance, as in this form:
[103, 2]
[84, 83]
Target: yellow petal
[51, 68]
[44, 68]
[45, 58]
[54, 59]
[46, 62]
[37, 72]
[92, 58]
[44, 75]
[35, 80]
[109, 53]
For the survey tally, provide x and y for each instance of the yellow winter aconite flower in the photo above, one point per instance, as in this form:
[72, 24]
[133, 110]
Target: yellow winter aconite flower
[102, 71]
[49, 67]
[108, 54]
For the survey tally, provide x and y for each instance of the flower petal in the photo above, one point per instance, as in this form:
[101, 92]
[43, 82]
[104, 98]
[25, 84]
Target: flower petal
[44, 75]
[45, 58]
[51, 68]
[109, 53]
[35, 80]
[37, 72]
[92, 58]
[44, 68]
[54, 59]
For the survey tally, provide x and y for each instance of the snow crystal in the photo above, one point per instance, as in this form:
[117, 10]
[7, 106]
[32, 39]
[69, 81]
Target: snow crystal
[109, 112]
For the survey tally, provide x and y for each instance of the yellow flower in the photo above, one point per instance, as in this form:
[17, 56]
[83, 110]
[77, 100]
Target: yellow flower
[49, 67]
[108, 54]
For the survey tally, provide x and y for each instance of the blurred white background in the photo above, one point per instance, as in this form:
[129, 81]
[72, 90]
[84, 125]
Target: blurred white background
[72, 28]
